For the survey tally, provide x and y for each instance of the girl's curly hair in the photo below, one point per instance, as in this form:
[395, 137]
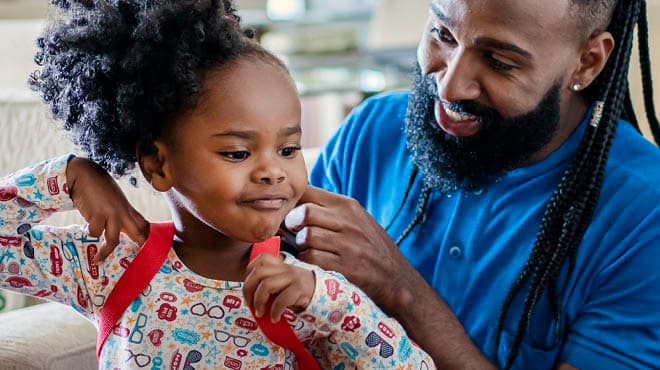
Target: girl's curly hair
[115, 72]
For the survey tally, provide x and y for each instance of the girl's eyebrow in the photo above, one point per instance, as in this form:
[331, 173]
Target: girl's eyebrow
[240, 134]
[251, 134]
[291, 130]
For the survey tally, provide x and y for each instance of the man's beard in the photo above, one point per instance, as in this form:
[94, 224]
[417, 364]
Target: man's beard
[448, 162]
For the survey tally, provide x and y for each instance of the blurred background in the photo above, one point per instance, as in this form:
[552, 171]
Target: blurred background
[339, 52]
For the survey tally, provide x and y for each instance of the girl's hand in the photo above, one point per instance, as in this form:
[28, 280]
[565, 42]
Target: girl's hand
[269, 277]
[102, 203]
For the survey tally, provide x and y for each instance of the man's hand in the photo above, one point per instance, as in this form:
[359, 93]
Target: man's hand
[102, 203]
[336, 233]
[290, 286]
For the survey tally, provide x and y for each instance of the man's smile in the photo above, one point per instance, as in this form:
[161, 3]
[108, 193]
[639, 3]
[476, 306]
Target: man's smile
[455, 123]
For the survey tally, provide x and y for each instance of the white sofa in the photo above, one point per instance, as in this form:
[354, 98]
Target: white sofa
[46, 336]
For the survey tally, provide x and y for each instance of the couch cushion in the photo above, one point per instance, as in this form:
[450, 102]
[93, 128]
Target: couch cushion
[47, 336]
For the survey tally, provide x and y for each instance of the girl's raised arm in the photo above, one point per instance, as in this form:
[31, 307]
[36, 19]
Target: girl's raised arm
[55, 263]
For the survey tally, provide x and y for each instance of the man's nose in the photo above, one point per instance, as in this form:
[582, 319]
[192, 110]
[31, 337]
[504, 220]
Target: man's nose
[458, 80]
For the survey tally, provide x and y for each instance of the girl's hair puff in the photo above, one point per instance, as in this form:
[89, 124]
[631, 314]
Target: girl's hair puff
[115, 72]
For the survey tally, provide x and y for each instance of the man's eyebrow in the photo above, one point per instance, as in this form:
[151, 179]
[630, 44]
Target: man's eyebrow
[441, 16]
[487, 42]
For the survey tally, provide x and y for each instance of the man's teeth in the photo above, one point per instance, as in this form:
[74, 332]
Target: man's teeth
[455, 116]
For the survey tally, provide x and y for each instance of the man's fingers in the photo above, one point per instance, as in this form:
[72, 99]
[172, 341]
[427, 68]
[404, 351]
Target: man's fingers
[324, 259]
[316, 195]
[317, 238]
[312, 214]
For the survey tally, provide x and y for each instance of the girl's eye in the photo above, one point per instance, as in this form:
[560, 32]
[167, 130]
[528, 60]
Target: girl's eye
[236, 156]
[289, 151]
[443, 34]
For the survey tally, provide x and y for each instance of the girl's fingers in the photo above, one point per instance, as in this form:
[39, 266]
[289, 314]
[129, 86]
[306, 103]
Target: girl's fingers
[259, 269]
[111, 241]
[136, 226]
[291, 297]
[267, 288]
[95, 226]
[112, 231]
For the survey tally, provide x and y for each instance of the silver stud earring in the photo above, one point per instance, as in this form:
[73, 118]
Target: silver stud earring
[576, 86]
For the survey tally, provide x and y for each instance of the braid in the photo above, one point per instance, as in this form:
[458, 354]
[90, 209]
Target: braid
[645, 66]
[419, 213]
[629, 112]
[569, 211]
[411, 181]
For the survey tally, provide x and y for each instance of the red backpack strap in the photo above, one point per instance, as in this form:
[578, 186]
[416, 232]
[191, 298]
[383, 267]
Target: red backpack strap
[280, 333]
[135, 279]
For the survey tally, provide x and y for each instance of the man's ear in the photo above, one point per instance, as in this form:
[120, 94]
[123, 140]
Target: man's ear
[155, 166]
[593, 59]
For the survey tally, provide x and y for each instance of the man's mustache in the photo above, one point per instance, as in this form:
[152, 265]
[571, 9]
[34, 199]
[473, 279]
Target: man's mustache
[470, 107]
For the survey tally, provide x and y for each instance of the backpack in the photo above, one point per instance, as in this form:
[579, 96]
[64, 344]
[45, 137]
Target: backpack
[146, 264]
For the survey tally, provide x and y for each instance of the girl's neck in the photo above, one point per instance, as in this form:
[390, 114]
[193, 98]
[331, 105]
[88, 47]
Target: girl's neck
[210, 253]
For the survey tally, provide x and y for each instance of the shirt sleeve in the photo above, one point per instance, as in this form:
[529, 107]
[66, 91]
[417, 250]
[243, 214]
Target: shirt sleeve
[331, 170]
[325, 171]
[358, 334]
[619, 327]
[38, 260]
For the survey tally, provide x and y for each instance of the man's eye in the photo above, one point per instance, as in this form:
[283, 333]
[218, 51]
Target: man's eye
[289, 151]
[497, 64]
[443, 34]
[236, 156]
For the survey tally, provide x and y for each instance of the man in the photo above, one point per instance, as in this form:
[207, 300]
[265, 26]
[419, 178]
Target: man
[516, 219]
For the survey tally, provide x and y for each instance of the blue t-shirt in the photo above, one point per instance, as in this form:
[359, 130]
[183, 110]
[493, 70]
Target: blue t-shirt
[473, 244]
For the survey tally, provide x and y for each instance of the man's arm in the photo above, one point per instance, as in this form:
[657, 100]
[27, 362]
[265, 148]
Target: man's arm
[336, 233]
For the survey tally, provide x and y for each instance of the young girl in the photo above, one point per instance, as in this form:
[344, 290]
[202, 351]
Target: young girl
[213, 121]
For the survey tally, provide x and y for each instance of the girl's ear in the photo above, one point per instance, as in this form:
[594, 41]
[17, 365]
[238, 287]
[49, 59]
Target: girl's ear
[155, 166]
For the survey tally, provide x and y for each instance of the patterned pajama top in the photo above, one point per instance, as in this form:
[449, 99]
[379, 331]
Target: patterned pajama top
[181, 321]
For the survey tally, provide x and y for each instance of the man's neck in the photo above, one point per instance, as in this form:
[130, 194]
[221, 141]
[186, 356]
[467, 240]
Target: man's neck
[570, 118]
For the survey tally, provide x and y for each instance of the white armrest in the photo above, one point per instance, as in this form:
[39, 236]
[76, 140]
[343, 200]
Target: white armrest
[46, 336]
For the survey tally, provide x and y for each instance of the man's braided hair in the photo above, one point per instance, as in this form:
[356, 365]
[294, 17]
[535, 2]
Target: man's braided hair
[569, 210]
